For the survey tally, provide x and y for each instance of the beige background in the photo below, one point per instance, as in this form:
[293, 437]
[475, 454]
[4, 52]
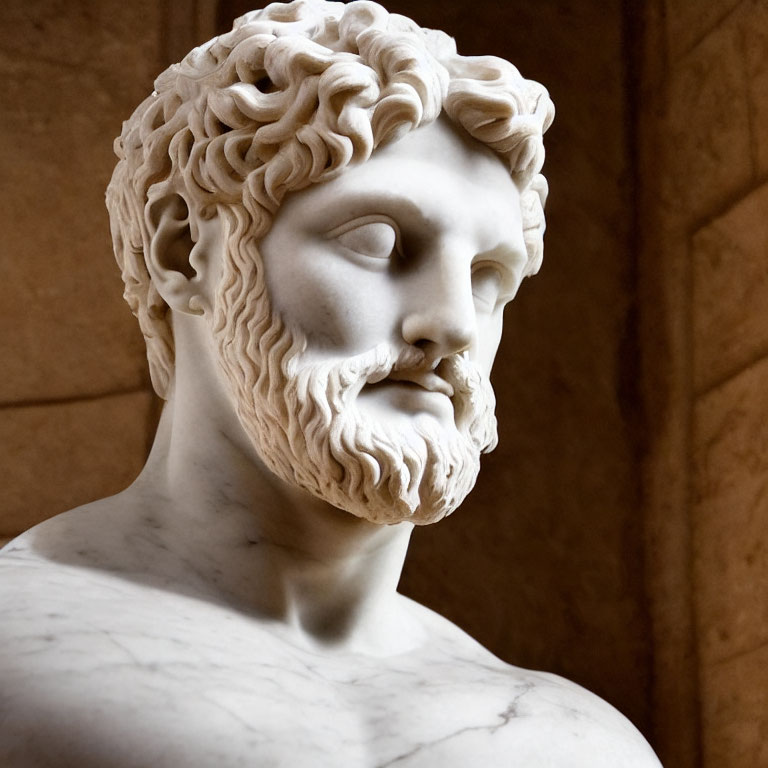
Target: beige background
[618, 535]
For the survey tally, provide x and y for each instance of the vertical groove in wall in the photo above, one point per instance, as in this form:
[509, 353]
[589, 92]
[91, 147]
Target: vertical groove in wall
[630, 376]
[693, 666]
[664, 290]
[690, 653]
[752, 122]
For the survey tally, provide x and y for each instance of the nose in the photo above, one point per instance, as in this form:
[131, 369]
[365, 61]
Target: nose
[440, 318]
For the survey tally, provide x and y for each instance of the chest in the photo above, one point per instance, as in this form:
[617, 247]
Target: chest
[141, 695]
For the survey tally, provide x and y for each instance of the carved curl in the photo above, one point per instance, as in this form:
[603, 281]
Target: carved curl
[291, 96]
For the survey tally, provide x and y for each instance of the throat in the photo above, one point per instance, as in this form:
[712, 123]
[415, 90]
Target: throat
[236, 535]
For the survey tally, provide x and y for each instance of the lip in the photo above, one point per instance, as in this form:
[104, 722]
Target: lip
[427, 380]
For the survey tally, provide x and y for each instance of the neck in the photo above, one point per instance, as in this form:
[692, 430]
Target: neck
[261, 545]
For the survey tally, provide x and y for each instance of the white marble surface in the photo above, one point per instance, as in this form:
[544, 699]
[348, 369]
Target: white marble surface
[324, 344]
[104, 669]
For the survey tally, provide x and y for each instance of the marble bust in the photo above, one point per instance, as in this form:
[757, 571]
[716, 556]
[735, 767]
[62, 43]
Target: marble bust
[319, 218]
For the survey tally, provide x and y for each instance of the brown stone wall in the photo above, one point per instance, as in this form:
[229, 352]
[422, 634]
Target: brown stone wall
[74, 404]
[704, 291]
[544, 565]
[77, 412]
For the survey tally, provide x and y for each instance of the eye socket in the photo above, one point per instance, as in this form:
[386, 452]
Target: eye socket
[486, 286]
[375, 237]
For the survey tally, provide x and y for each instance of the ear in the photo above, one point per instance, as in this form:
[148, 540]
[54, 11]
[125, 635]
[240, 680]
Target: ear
[181, 255]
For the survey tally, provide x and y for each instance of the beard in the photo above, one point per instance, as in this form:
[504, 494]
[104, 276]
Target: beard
[305, 424]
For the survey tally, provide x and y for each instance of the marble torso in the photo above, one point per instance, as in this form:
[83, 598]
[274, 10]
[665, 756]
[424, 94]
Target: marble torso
[100, 669]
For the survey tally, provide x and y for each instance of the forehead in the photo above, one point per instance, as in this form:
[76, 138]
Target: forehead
[436, 178]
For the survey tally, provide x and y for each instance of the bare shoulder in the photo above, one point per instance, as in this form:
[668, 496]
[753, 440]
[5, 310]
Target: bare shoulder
[73, 536]
[576, 728]
[45, 580]
[59, 578]
[73, 635]
[536, 719]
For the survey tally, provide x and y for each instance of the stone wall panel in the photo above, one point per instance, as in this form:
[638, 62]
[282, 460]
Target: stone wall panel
[71, 72]
[755, 25]
[735, 712]
[707, 148]
[688, 21]
[57, 456]
[730, 290]
[730, 515]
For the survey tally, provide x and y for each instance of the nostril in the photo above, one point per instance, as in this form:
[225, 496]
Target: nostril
[437, 334]
[415, 330]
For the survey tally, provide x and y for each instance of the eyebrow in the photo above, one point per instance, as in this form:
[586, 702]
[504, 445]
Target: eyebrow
[401, 208]
[505, 252]
[385, 202]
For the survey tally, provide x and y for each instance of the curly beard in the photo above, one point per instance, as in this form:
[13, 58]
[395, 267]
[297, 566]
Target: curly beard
[305, 424]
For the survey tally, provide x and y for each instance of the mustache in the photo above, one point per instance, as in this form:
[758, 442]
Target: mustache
[340, 381]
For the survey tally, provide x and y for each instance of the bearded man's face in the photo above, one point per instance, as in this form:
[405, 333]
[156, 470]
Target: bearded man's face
[363, 378]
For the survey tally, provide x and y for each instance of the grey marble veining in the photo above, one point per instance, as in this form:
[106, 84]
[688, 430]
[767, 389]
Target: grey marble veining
[117, 672]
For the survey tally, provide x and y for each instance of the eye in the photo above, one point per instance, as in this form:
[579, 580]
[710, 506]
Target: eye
[374, 237]
[486, 287]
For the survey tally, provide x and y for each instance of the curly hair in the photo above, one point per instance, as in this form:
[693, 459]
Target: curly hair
[292, 96]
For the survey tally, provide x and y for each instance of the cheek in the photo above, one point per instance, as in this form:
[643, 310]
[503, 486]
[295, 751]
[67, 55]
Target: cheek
[329, 300]
[314, 303]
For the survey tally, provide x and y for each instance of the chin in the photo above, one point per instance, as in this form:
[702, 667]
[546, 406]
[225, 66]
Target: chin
[418, 473]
